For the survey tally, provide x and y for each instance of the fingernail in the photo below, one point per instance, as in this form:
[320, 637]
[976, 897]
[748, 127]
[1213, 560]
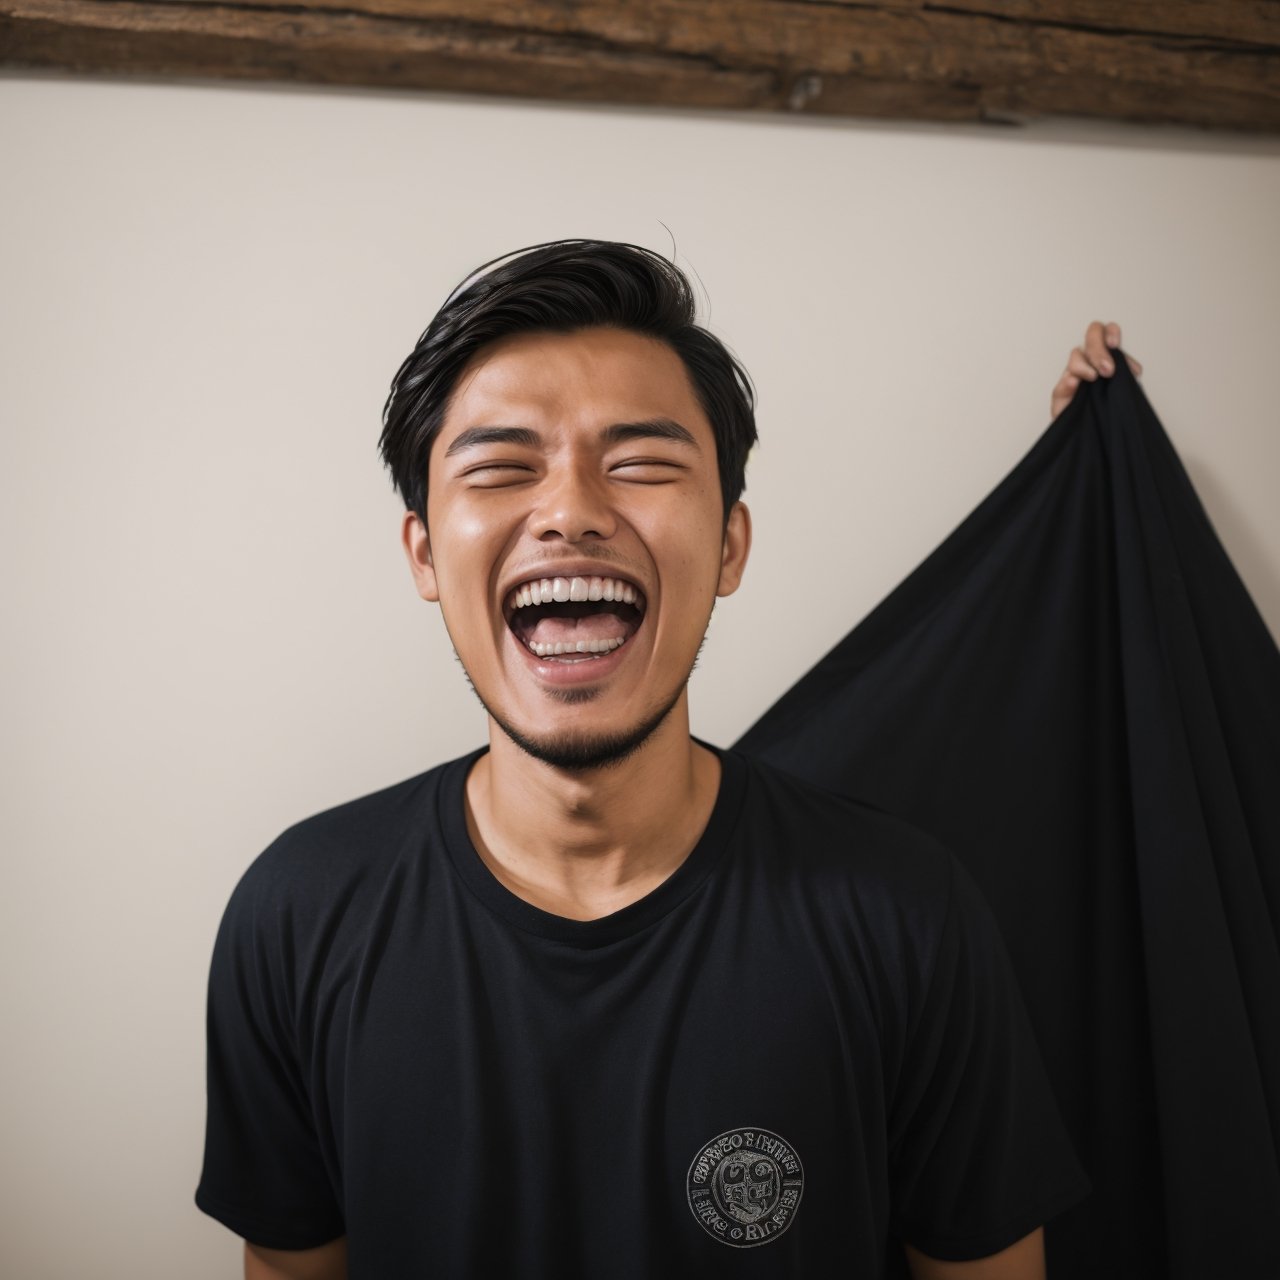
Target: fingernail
[1108, 368]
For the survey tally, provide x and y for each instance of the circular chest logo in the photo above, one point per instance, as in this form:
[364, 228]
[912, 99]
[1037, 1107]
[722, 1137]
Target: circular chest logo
[744, 1187]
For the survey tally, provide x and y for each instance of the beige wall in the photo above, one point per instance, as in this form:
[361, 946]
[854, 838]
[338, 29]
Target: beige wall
[210, 631]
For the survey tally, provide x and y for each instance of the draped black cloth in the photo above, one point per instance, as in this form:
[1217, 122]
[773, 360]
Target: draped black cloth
[1076, 693]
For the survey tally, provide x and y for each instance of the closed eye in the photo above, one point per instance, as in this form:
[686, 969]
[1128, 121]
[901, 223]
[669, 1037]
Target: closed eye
[495, 475]
[648, 470]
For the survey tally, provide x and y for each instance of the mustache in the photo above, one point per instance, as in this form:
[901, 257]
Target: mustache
[598, 555]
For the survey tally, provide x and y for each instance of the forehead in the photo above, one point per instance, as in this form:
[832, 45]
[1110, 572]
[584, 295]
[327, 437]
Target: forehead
[581, 381]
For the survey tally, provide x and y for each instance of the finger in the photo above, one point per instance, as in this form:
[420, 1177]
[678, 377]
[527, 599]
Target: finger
[1095, 349]
[1111, 333]
[1081, 366]
[1135, 365]
[1063, 394]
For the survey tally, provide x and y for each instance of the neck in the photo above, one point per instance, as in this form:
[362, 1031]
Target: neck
[584, 844]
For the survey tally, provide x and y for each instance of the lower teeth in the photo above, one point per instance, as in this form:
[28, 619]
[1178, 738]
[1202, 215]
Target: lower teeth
[588, 648]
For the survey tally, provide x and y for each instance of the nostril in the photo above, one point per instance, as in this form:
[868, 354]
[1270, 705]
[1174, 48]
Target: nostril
[575, 517]
[574, 536]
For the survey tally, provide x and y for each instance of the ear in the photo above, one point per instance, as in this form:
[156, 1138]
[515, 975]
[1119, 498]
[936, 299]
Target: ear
[417, 548]
[736, 549]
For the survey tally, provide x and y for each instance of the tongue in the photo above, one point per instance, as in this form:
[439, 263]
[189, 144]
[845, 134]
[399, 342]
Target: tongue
[594, 626]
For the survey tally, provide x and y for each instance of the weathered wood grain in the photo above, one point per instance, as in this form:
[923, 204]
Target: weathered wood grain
[1199, 62]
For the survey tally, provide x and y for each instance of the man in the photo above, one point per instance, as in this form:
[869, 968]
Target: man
[600, 1000]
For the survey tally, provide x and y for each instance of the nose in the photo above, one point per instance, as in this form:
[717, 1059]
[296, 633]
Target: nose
[573, 504]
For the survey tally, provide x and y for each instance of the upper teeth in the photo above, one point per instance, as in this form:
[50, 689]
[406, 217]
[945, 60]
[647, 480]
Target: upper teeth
[545, 590]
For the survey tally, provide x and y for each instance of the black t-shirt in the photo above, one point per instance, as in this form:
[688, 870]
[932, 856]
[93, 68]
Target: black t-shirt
[802, 1047]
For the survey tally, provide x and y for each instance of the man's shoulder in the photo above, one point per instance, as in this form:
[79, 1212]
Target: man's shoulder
[330, 852]
[845, 845]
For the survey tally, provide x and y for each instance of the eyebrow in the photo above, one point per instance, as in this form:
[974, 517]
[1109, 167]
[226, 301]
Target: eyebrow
[649, 429]
[473, 436]
[615, 433]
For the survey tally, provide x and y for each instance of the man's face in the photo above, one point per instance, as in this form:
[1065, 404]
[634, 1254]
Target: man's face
[572, 468]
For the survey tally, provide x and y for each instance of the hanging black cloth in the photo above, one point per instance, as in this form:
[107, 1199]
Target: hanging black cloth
[1076, 693]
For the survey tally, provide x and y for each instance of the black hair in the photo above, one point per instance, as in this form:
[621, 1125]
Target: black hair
[560, 287]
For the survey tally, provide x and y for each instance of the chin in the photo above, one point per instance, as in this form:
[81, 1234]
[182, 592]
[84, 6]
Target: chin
[580, 751]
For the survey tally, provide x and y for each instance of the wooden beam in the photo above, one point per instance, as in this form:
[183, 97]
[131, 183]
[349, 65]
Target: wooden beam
[1197, 62]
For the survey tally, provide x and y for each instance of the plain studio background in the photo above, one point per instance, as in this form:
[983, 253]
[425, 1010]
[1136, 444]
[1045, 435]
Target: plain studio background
[210, 631]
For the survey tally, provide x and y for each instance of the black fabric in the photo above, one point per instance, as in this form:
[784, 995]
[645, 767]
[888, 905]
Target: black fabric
[815, 1009]
[1076, 694]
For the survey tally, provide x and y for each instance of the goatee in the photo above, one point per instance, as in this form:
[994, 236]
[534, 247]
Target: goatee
[582, 752]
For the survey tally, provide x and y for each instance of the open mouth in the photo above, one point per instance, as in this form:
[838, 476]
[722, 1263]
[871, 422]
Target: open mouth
[574, 619]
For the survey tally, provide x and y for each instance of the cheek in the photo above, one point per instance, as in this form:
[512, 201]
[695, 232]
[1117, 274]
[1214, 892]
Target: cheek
[464, 589]
[693, 576]
[466, 541]
[460, 523]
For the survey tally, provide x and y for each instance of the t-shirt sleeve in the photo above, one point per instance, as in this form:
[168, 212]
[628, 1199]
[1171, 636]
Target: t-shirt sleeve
[978, 1153]
[264, 1174]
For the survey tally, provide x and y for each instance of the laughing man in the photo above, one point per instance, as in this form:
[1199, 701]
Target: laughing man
[600, 1000]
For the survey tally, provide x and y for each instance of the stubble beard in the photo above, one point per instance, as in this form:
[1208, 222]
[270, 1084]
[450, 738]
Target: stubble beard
[583, 752]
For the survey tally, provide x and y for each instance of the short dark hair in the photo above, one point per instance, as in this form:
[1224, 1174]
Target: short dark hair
[560, 287]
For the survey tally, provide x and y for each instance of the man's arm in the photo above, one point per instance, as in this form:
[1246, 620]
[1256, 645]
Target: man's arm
[1021, 1261]
[328, 1262]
